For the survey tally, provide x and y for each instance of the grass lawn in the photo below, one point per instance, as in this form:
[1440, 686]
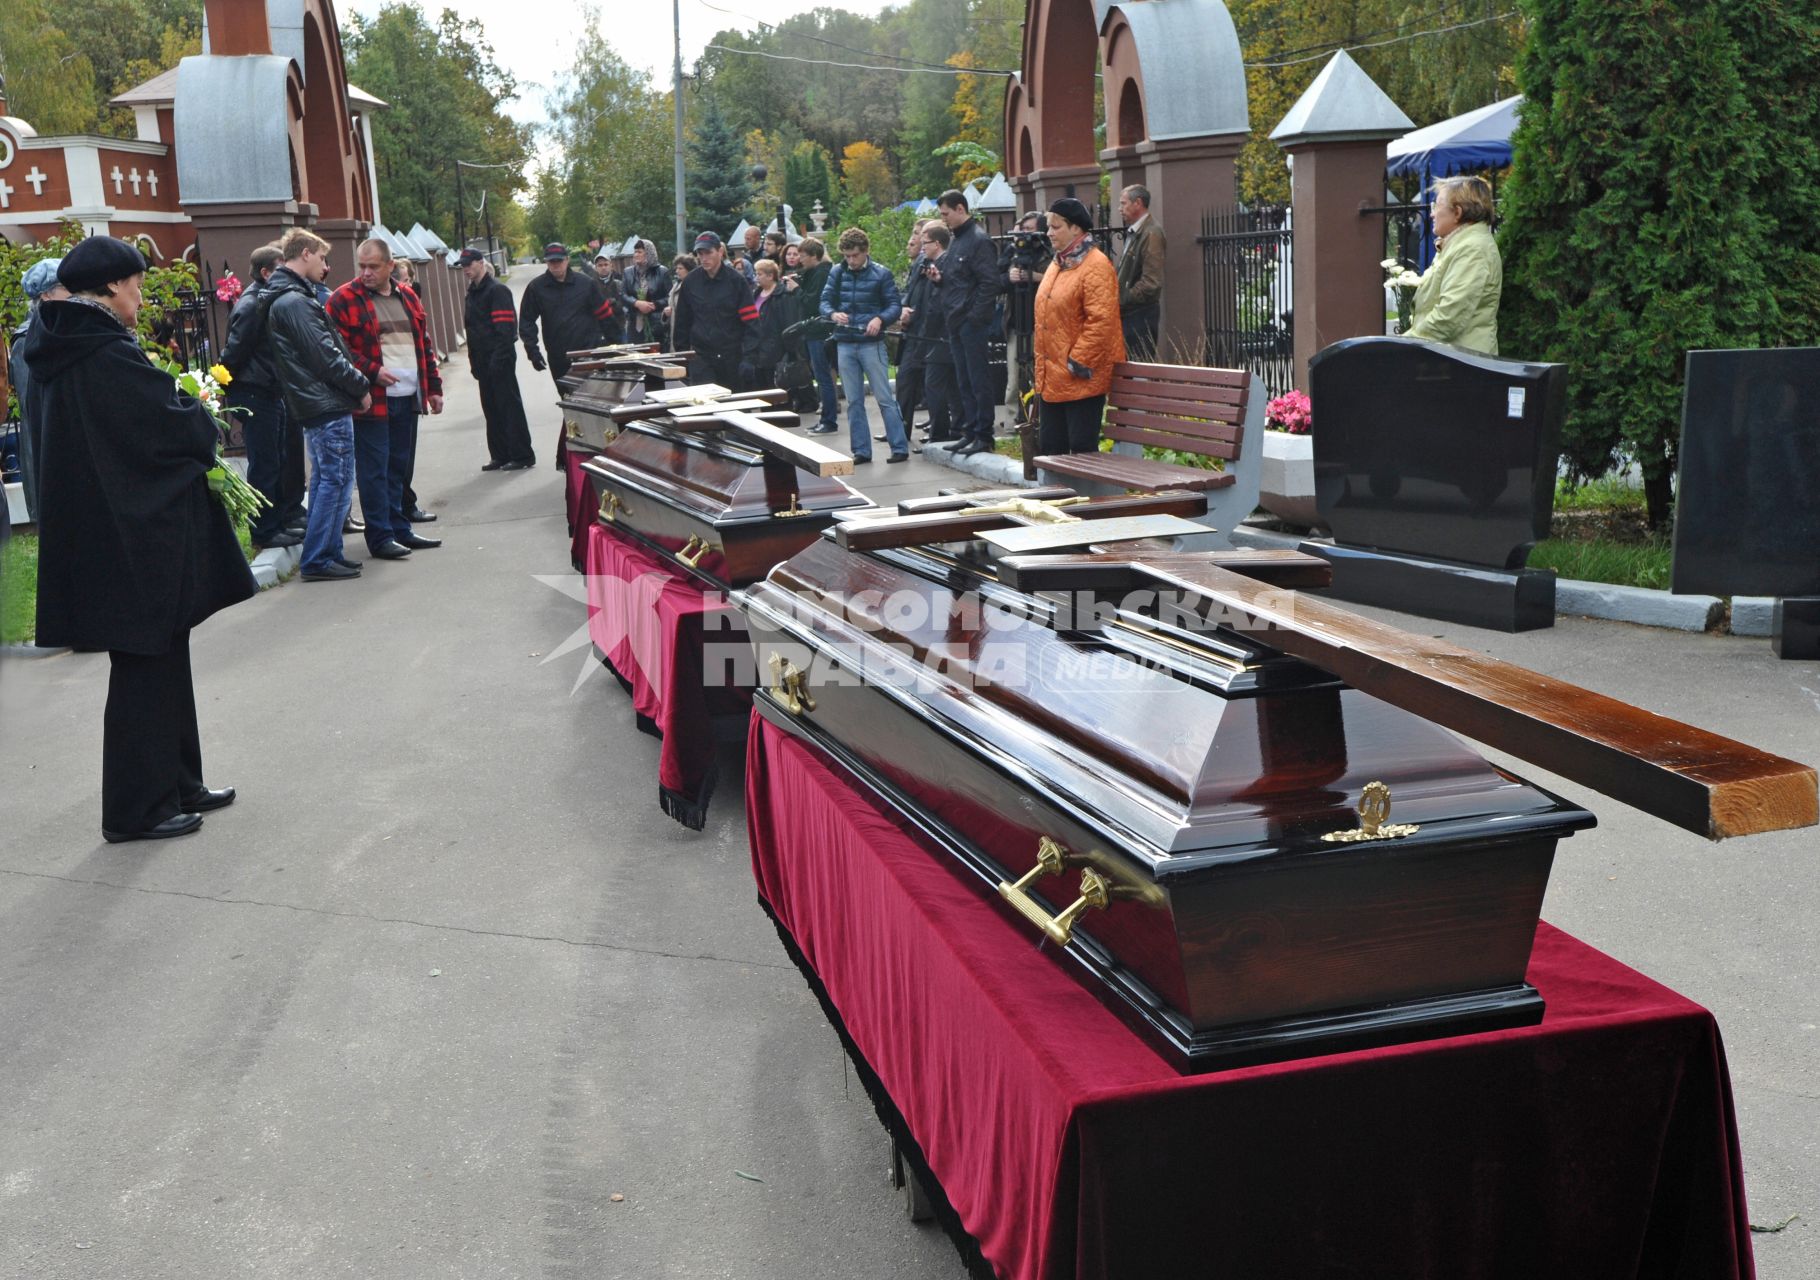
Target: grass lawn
[1601, 533]
[19, 585]
[19, 588]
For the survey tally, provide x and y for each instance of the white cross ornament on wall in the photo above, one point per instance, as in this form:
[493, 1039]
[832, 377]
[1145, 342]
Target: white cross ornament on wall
[37, 180]
[118, 178]
[134, 179]
[151, 178]
[6, 195]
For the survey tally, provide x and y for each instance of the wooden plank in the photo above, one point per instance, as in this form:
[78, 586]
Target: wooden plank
[1035, 538]
[1184, 391]
[961, 526]
[1134, 473]
[1183, 428]
[1113, 569]
[1132, 435]
[1184, 373]
[1192, 410]
[683, 412]
[804, 455]
[1706, 783]
[961, 501]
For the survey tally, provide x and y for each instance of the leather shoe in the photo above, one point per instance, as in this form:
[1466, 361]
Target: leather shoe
[178, 824]
[277, 540]
[516, 466]
[822, 429]
[419, 516]
[389, 550]
[860, 462]
[206, 799]
[491, 466]
[351, 525]
[334, 571]
[897, 457]
[417, 542]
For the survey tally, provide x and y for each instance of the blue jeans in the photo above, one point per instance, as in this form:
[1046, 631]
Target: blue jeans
[382, 460]
[331, 445]
[824, 382]
[860, 363]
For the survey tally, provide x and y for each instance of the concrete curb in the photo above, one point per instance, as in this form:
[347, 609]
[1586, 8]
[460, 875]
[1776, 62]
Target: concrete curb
[994, 468]
[28, 651]
[1753, 615]
[274, 565]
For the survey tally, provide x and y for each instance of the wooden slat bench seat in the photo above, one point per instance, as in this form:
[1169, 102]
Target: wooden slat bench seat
[1216, 413]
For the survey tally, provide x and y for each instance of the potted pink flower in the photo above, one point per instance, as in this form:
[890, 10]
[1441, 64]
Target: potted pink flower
[1286, 471]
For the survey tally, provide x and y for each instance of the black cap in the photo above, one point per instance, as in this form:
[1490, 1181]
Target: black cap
[470, 255]
[554, 252]
[707, 240]
[1068, 209]
[97, 261]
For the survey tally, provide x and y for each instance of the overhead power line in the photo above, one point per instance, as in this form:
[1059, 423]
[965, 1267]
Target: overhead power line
[835, 44]
[1379, 44]
[861, 66]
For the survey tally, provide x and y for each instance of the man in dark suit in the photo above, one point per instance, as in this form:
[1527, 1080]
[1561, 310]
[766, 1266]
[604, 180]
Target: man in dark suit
[1140, 274]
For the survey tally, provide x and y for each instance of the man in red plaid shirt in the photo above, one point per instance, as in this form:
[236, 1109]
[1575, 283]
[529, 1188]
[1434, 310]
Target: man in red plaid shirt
[383, 324]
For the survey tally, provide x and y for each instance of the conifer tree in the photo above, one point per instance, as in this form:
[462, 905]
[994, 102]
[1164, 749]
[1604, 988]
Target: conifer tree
[719, 177]
[1627, 235]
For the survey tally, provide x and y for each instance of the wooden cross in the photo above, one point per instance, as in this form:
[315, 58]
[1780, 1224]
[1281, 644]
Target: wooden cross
[1708, 784]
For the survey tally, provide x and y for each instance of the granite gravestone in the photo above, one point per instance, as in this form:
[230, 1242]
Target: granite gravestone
[1435, 470]
[1747, 506]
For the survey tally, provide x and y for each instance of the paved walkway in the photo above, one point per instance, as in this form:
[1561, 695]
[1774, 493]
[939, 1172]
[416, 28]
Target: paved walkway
[445, 981]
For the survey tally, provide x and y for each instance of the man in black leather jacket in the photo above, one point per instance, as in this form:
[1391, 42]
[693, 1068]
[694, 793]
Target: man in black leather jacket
[970, 284]
[322, 389]
[263, 423]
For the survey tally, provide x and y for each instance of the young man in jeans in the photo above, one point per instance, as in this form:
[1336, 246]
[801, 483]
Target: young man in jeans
[322, 390]
[862, 298]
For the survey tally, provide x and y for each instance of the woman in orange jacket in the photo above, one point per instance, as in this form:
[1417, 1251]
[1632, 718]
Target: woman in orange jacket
[1077, 336]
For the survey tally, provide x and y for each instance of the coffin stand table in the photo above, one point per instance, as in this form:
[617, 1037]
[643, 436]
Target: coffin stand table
[1055, 1142]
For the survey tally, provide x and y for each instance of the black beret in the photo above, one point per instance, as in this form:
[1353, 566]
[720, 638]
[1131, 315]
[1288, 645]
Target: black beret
[98, 261]
[1068, 209]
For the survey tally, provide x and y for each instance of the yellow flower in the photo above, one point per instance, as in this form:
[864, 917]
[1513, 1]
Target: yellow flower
[220, 374]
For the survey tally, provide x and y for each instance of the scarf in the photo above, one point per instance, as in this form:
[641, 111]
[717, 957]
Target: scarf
[1075, 254]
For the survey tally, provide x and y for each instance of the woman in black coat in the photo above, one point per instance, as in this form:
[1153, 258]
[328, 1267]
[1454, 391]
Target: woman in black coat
[133, 549]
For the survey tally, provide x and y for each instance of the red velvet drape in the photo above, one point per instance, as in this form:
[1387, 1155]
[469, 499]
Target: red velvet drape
[1600, 1144]
[665, 636]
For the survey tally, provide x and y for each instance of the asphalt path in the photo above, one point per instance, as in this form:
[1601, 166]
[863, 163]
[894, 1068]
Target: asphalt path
[445, 994]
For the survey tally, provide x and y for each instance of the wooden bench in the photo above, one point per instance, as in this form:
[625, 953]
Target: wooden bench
[1216, 413]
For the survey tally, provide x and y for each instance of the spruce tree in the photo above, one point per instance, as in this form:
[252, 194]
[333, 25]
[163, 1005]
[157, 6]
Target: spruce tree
[1629, 236]
[719, 178]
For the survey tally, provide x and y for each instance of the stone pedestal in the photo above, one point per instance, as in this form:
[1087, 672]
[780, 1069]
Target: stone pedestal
[1795, 629]
[1496, 599]
[344, 236]
[1046, 186]
[1339, 286]
[227, 234]
[1187, 177]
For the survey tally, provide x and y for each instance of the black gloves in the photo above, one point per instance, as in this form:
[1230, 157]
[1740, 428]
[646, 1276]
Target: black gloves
[1080, 371]
[747, 374]
[536, 359]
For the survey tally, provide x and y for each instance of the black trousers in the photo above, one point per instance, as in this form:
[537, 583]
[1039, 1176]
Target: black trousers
[263, 427]
[508, 434]
[1069, 426]
[938, 394]
[909, 391]
[559, 366]
[151, 752]
[1140, 325]
[720, 367]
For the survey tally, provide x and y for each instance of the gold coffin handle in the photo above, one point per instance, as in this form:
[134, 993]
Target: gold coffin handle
[571, 428]
[693, 550]
[789, 685]
[1051, 858]
[611, 507]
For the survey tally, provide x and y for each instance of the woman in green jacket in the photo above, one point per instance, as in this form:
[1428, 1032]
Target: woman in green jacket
[1457, 299]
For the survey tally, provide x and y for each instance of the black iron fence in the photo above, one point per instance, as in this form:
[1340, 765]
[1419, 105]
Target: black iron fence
[1248, 274]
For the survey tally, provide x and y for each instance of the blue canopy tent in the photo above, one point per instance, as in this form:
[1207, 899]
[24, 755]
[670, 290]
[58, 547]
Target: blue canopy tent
[1468, 143]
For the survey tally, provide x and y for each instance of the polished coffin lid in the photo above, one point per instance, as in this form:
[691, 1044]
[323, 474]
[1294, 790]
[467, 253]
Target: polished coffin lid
[591, 390]
[1188, 746]
[682, 487]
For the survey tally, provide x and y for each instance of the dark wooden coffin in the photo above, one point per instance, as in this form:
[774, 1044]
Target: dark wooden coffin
[721, 509]
[1177, 788]
[592, 389]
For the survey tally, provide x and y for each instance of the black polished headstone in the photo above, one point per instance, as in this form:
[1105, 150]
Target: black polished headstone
[1795, 631]
[1747, 508]
[1434, 451]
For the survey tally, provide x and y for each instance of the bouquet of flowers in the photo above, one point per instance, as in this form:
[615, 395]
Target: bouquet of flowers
[228, 485]
[1291, 412]
[229, 288]
[1404, 281]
